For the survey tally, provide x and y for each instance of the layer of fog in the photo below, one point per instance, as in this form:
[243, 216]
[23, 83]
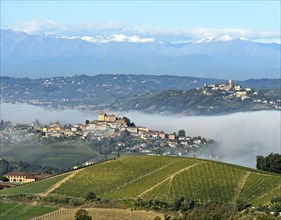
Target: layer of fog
[243, 136]
[26, 114]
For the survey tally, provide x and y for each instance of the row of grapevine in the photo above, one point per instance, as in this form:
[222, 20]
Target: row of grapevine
[257, 185]
[105, 178]
[205, 182]
[139, 185]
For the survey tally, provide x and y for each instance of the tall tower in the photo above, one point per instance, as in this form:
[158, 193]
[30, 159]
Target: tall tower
[102, 116]
[230, 83]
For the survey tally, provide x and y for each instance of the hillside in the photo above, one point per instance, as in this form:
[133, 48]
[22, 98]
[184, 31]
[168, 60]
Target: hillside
[163, 179]
[197, 102]
[133, 92]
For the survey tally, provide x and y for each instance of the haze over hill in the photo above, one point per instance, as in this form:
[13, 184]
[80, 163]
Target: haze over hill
[258, 132]
[224, 57]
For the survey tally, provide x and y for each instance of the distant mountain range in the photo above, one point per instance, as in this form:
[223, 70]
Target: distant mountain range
[26, 55]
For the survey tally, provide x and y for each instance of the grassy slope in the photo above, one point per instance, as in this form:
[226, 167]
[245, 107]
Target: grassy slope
[167, 178]
[36, 187]
[60, 154]
[12, 211]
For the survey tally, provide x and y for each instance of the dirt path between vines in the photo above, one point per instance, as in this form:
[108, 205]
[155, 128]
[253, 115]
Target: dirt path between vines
[240, 185]
[169, 178]
[53, 187]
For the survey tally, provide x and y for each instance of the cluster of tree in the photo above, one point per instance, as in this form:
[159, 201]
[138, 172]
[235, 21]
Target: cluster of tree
[4, 166]
[35, 167]
[107, 145]
[5, 124]
[212, 210]
[271, 163]
[180, 204]
[190, 209]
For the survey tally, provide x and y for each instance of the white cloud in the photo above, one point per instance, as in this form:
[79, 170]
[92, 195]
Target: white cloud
[114, 38]
[37, 26]
[119, 32]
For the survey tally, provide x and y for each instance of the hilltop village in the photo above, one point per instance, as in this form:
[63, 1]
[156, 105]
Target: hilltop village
[234, 90]
[231, 90]
[141, 139]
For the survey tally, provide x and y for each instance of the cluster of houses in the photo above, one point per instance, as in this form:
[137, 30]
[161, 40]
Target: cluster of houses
[233, 89]
[236, 90]
[16, 134]
[109, 125]
[16, 178]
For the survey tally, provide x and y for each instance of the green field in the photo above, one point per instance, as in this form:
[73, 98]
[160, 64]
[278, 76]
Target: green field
[166, 179]
[63, 154]
[36, 187]
[22, 211]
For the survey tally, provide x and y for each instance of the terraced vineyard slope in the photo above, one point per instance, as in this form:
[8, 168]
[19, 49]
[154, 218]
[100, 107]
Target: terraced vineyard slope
[168, 178]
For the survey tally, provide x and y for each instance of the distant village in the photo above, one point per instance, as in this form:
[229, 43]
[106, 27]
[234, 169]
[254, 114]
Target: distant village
[235, 90]
[107, 125]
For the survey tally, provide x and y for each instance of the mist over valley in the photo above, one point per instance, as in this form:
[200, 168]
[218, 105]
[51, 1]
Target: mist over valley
[240, 136]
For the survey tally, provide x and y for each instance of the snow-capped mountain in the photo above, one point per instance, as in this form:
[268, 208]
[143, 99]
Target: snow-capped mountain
[24, 54]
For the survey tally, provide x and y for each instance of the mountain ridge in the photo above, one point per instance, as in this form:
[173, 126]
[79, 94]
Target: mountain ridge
[24, 55]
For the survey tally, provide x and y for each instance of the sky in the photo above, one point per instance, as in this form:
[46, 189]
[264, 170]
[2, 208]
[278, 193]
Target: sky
[158, 19]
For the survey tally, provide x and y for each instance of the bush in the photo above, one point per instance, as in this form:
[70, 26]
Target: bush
[82, 214]
[276, 199]
[91, 196]
[242, 204]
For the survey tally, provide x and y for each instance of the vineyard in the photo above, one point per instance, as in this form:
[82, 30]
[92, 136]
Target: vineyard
[165, 179]
[168, 178]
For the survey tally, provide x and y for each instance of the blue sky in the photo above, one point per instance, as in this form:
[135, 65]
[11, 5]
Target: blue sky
[190, 19]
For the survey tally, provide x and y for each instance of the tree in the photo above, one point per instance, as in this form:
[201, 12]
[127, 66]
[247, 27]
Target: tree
[37, 122]
[1, 124]
[181, 133]
[4, 179]
[4, 166]
[271, 163]
[82, 214]
[91, 196]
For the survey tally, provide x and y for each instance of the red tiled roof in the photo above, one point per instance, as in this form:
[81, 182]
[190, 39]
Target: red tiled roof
[29, 175]
[17, 174]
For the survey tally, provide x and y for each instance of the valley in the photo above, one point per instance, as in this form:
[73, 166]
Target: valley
[140, 110]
